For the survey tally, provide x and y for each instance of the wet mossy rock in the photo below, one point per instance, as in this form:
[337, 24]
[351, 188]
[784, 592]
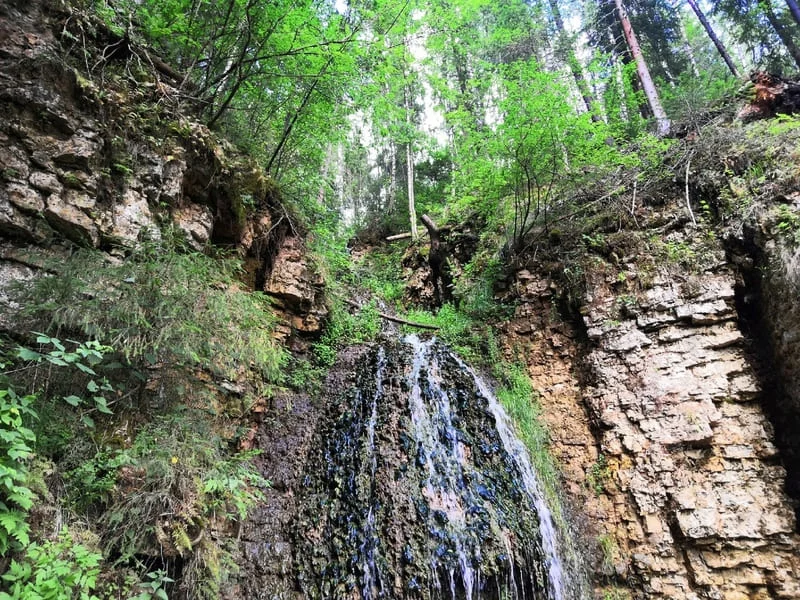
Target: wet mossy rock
[413, 491]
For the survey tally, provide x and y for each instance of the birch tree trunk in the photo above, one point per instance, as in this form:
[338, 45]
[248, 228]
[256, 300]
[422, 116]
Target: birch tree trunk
[573, 63]
[412, 211]
[392, 199]
[723, 52]
[648, 86]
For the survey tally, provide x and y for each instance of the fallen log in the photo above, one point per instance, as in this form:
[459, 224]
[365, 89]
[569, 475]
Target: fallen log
[399, 236]
[394, 319]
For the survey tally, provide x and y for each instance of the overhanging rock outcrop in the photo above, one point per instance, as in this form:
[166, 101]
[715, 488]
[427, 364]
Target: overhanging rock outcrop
[96, 159]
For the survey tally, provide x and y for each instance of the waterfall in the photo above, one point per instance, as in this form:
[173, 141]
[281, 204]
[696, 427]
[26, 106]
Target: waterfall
[530, 483]
[421, 489]
[372, 582]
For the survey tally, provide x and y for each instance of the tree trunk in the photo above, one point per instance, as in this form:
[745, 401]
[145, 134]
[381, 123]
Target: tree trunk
[440, 267]
[780, 29]
[573, 63]
[391, 201]
[794, 9]
[616, 42]
[412, 211]
[395, 319]
[648, 86]
[723, 52]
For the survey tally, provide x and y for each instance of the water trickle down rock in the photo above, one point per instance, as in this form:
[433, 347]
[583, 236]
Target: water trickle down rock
[419, 489]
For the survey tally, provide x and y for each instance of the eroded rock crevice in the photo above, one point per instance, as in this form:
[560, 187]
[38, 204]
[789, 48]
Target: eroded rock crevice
[766, 294]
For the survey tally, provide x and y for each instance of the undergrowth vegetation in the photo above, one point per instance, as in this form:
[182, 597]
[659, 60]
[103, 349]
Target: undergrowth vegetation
[161, 304]
[117, 398]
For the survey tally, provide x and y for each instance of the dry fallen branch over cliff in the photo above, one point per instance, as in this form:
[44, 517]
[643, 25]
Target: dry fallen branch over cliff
[394, 319]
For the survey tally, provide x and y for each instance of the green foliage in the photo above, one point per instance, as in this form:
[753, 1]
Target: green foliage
[161, 305]
[519, 175]
[755, 24]
[695, 100]
[471, 340]
[53, 570]
[622, 103]
[270, 73]
[345, 328]
[599, 475]
[788, 223]
[474, 289]
[93, 481]
[520, 400]
[231, 487]
[608, 549]
[154, 588]
[16, 441]
[616, 594]
[380, 272]
[176, 461]
[84, 357]
[177, 480]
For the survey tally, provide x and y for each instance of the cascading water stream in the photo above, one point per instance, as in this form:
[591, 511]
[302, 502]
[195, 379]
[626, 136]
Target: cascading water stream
[422, 490]
[444, 464]
[372, 577]
[530, 483]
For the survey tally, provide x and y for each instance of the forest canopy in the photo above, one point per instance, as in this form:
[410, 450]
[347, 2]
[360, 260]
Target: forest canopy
[377, 111]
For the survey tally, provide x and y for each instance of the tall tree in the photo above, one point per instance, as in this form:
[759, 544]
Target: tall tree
[648, 86]
[762, 30]
[723, 52]
[782, 30]
[412, 206]
[658, 29]
[566, 46]
[625, 106]
[794, 9]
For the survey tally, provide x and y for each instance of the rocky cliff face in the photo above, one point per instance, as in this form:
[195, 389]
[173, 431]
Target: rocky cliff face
[660, 417]
[769, 279]
[673, 428]
[105, 159]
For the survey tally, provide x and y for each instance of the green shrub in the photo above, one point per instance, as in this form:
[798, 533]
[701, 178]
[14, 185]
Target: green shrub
[16, 498]
[161, 305]
[171, 487]
[53, 570]
[345, 328]
[82, 360]
[521, 402]
[471, 339]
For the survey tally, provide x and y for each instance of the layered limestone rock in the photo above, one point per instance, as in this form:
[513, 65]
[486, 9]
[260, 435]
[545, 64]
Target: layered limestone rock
[111, 168]
[677, 404]
[297, 287]
[684, 491]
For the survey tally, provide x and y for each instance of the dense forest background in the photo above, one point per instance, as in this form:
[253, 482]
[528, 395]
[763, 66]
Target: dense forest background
[376, 109]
